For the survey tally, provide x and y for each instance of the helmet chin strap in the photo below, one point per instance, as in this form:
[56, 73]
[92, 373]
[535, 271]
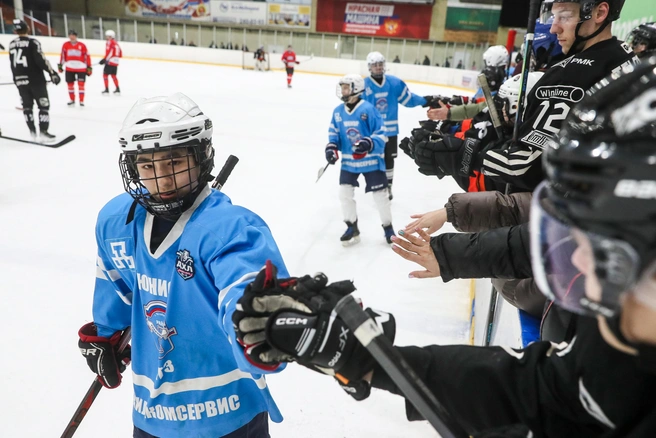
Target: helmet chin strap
[577, 46]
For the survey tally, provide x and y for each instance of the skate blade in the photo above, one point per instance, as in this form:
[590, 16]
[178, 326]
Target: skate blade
[351, 241]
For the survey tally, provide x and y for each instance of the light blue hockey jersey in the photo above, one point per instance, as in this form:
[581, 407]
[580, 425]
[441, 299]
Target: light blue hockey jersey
[387, 97]
[347, 127]
[191, 378]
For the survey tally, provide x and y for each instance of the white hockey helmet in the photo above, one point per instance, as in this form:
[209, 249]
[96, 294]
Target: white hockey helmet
[496, 56]
[110, 33]
[161, 124]
[355, 83]
[509, 92]
[376, 64]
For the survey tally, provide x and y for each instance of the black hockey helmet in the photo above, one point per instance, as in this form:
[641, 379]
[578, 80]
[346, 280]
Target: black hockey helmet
[601, 181]
[644, 34]
[20, 26]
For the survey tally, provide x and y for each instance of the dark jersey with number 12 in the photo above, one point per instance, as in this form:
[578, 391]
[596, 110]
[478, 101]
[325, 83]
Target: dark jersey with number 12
[548, 104]
[28, 62]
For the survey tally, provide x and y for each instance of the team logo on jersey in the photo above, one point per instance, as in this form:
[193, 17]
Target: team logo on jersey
[364, 117]
[353, 135]
[155, 312]
[184, 264]
[381, 105]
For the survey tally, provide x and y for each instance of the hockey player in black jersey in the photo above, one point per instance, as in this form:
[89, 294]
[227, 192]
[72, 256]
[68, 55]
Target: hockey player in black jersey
[593, 236]
[583, 28]
[27, 65]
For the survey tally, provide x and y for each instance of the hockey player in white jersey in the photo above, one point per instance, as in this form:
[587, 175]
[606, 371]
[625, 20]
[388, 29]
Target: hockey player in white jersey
[174, 256]
[386, 92]
[357, 131]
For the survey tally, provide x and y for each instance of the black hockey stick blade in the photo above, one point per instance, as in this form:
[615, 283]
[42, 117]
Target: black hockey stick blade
[59, 144]
[92, 393]
[491, 317]
[373, 339]
[321, 172]
[225, 172]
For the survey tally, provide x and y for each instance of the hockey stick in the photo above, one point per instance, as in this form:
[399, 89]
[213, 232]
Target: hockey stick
[491, 107]
[534, 7]
[61, 143]
[373, 339]
[96, 386]
[321, 172]
[309, 59]
[93, 391]
[491, 316]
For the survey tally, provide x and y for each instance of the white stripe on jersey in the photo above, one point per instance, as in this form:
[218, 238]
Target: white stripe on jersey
[197, 384]
[244, 278]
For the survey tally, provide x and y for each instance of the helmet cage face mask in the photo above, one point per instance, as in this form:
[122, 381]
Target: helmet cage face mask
[189, 165]
[645, 34]
[554, 241]
[355, 84]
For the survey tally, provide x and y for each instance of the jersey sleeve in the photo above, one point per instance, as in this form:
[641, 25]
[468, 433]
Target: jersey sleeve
[39, 58]
[407, 98]
[62, 57]
[234, 267]
[112, 298]
[333, 131]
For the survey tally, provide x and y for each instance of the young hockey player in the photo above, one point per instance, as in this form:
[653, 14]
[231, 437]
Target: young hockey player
[27, 66]
[76, 61]
[113, 54]
[385, 92]
[642, 40]
[356, 130]
[260, 58]
[592, 247]
[289, 59]
[174, 256]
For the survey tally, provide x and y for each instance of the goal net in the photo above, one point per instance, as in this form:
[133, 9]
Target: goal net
[248, 62]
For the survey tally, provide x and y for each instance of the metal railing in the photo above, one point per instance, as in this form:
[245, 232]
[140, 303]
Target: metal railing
[246, 37]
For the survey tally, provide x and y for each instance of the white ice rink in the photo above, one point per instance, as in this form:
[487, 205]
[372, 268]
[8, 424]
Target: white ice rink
[50, 199]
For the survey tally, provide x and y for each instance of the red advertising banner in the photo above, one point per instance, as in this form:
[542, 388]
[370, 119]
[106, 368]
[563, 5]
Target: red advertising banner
[374, 19]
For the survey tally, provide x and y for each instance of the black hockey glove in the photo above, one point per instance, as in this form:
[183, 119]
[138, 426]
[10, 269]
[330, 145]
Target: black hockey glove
[408, 144]
[434, 101]
[362, 147]
[89, 71]
[54, 78]
[293, 319]
[332, 153]
[101, 355]
[102, 61]
[446, 155]
[60, 68]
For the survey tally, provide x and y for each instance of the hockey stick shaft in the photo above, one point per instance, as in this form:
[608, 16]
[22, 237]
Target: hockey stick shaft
[534, 8]
[491, 316]
[225, 172]
[92, 393]
[96, 386]
[491, 107]
[373, 339]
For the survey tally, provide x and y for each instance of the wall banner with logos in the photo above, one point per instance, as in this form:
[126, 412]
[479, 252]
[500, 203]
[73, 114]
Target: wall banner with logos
[197, 10]
[287, 15]
[373, 19]
[239, 12]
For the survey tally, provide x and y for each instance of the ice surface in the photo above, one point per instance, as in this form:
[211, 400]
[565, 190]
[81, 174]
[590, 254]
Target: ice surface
[50, 199]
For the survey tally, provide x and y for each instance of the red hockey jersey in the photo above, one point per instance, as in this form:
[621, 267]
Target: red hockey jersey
[289, 59]
[74, 57]
[112, 52]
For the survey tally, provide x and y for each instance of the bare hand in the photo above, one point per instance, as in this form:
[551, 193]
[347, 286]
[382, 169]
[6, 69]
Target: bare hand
[441, 113]
[431, 221]
[417, 249]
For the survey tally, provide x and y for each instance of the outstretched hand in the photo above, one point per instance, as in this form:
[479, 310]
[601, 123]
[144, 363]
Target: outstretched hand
[431, 221]
[417, 249]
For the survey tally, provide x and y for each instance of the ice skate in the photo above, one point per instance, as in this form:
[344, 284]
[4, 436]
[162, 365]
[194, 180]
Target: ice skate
[47, 137]
[81, 103]
[71, 103]
[389, 232]
[352, 234]
[106, 92]
[117, 91]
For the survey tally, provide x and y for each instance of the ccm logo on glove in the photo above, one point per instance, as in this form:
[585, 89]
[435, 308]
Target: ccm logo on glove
[291, 321]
